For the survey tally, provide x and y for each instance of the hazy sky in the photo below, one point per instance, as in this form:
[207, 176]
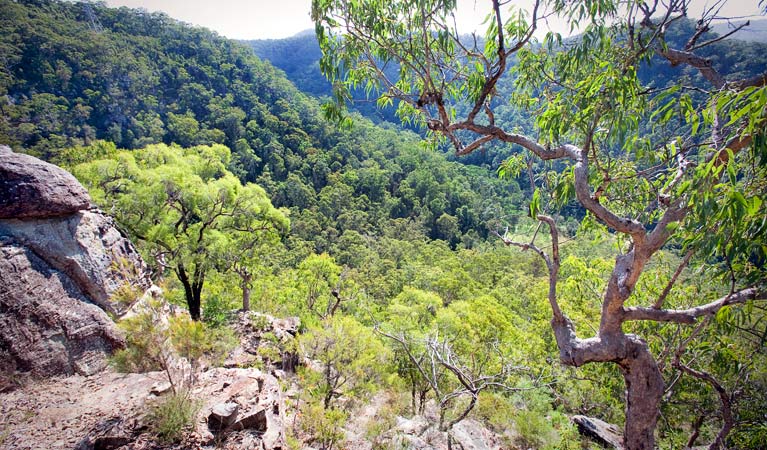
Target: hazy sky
[264, 19]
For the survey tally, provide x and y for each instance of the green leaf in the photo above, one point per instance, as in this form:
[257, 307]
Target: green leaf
[535, 203]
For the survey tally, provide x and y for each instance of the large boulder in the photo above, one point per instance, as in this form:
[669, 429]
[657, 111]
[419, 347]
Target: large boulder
[87, 248]
[30, 187]
[606, 434]
[61, 268]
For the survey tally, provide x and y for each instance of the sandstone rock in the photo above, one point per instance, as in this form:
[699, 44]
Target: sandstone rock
[255, 422]
[260, 405]
[160, 388]
[602, 432]
[48, 325]
[109, 411]
[222, 416]
[415, 425]
[30, 187]
[87, 248]
[472, 435]
[62, 270]
[252, 327]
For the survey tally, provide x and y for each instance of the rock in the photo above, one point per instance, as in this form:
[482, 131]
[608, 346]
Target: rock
[108, 434]
[49, 327]
[222, 416]
[260, 405]
[87, 248]
[257, 331]
[63, 270]
[255, 422]
[604, 433]
[109, 411]
[30, 187]
[472, 435]
[160, 388]
[415, 426]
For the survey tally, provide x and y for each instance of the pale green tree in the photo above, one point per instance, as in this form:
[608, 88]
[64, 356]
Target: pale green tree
[188, 212]
[350, 358]
[455, 352]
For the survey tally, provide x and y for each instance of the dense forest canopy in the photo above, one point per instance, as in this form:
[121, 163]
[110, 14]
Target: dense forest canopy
[240, 193]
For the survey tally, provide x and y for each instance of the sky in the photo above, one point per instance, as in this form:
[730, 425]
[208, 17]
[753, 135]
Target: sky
[275, 19]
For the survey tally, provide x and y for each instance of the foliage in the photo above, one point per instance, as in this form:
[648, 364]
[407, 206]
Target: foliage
[350, 357]
[195, 340]
[185, 207]
[145, 337]
[323, 425]
[386, 231]
[155, 341]
[658, 166]
[164, 82]
[173, 416]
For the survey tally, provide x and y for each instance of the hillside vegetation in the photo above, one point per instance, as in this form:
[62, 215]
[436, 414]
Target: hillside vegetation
[240, 194]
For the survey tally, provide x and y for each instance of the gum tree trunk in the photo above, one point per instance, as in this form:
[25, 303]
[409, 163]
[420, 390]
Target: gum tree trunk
[644, 389]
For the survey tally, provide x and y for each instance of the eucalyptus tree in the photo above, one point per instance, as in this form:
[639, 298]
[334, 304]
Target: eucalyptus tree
[659, 166]
[187, 211]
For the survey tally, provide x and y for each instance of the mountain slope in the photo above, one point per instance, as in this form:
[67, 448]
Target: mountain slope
[80, 72]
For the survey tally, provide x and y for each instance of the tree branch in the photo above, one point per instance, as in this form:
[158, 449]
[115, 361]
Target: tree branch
[690, 315]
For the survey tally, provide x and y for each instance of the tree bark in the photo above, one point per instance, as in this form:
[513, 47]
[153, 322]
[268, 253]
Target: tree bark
[192, 301]
[644, 390]
[246, 298]
[245, 290]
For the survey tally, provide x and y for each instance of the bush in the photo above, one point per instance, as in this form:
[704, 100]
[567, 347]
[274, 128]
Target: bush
[193, 340]
[540, 426]
[151, 343]
[323, 425]
[216, 312]
[145, 337]
[173, 416]
[495, 410]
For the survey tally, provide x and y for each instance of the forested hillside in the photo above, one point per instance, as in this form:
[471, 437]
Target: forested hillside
[743, 55]
[80, 72]
[241, 195]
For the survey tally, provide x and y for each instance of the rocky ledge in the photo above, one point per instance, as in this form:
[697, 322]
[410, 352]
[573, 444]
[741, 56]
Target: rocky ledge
[108, 411]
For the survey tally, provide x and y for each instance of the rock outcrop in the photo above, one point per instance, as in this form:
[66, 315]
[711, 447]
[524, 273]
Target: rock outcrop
[265, 341]
[61, 265]
[602, 432]
[30, 187]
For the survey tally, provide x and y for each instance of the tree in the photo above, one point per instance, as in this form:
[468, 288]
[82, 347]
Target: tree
[191, 214]
[348, 353]
[660, 166]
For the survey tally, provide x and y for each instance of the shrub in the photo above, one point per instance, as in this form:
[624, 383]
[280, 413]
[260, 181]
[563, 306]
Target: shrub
[324, 425]
[495, 410]
[216, 312]
[195, 340]
[260, 322]
[145, 337]
[173, 416]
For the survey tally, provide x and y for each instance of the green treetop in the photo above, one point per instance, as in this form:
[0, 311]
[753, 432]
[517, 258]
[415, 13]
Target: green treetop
[191, 214]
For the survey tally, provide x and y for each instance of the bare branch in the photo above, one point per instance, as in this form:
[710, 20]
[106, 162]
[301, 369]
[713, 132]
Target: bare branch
[662, 297]
[718, 38]
[703, 65]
